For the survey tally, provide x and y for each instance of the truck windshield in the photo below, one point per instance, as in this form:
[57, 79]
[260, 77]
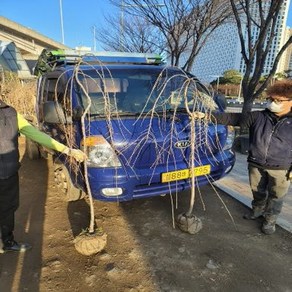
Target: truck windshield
[139, 91]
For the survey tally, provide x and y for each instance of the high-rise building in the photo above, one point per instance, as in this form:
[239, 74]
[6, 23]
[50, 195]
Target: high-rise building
[288, 56]
[223, 50]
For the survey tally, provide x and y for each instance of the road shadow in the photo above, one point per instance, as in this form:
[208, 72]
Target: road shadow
[145, 253]
[22, 271]
[221, 252]
[78, 216]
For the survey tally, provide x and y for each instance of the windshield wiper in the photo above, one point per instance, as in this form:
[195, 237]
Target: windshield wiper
[113, 114]
[171, 110]
[131, 114]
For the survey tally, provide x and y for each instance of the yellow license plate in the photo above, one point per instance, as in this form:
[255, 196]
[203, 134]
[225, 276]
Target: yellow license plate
[185, 173]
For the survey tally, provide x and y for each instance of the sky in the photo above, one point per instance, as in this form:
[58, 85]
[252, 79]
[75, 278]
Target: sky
[79, 18]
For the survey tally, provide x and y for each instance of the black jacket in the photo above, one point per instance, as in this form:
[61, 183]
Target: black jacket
[270, 137]
[9, 156]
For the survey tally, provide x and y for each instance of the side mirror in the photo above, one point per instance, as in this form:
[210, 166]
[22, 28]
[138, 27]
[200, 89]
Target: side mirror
[78, 112]
[54, 113]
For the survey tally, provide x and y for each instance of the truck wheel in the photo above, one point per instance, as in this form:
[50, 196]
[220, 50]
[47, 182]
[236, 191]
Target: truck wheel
[32, 149]
[65, 184]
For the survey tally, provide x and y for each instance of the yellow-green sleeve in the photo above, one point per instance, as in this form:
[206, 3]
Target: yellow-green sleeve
[36, 135]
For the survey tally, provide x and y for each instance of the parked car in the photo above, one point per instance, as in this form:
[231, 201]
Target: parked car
[137, 130]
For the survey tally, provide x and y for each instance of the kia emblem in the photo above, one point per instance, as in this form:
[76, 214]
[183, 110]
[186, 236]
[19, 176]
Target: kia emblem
[182, 144]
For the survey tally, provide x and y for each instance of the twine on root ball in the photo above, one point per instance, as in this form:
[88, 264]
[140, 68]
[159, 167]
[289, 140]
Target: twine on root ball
[189, 223]
[88, 244]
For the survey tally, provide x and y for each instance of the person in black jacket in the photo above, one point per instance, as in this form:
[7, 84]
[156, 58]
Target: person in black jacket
[270, 152]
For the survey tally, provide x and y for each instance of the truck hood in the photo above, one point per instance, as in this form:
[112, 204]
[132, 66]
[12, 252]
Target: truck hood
[147, 142]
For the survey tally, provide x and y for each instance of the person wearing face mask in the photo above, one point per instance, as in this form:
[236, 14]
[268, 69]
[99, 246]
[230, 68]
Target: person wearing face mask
[270, 152]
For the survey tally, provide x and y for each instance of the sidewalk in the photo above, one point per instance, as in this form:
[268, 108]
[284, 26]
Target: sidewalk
[236, 184]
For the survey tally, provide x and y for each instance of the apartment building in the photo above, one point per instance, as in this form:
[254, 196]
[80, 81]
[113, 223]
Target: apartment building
[288, 55]
[223, 50]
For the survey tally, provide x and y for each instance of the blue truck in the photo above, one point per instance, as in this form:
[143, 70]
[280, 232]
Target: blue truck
[130, 113]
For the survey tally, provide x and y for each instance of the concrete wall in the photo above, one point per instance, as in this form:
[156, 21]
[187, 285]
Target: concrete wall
[29, 42]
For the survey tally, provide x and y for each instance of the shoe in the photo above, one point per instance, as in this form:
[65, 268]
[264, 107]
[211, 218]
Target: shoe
[14, 246]
[254, 214]
[269, 228]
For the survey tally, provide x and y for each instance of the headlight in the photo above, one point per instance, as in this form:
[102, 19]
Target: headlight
[229, 138]
[99, 152]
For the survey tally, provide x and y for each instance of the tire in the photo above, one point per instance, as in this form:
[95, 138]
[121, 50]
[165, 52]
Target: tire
[32, 149]
[64, 183]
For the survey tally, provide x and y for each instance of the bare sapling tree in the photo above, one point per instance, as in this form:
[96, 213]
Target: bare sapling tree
[262, 16]
[134, 34]
[185, 25]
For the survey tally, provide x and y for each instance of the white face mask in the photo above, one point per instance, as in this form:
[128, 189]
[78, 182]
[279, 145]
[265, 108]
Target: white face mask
[274, 107]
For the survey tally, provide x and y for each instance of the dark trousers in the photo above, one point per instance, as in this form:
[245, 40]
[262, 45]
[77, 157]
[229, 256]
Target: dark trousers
[269, 187]
[9, 202]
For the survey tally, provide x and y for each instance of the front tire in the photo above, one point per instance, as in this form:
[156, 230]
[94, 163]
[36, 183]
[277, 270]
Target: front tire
[64, 183]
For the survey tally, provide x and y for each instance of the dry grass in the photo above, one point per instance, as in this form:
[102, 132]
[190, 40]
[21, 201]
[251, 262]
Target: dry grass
[19, 94]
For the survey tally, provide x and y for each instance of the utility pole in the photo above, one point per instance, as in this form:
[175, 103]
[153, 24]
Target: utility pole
[62, 26]
[218, 80]
[240, 88]
[94, 38]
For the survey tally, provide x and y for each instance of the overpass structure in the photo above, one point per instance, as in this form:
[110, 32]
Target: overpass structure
[29, 42]
[20, 48]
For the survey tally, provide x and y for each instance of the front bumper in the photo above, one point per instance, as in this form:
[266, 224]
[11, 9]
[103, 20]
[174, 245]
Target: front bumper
[147, 182]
